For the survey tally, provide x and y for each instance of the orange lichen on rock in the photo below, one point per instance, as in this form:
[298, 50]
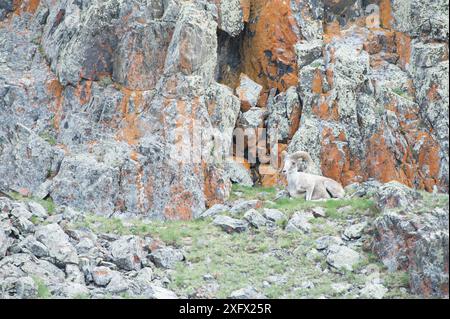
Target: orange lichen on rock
[216, 189]
[180, 206]
[331, 30]
[130, 127]
[433, 93]
[83, 92]
[336, 161]
[29, 6]
[385, 13]
[269, 180]
[269, 56]
[381, 163]
[317, 82]
[245, 5]
[326, 112]
[403, 42]
[380, 41]
[55, 89]
[271, 176]
[241, 161]
[295, 121]
[429, 160]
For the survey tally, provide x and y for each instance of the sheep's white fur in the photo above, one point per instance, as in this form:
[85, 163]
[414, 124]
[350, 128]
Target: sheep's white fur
[315, 186]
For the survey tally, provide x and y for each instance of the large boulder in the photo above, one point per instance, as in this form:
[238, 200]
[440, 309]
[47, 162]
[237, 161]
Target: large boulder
[85, 183]
[15, 267]
[396, 195]
[230, 225]
[127, 252]
[27, 160]
[417, 243]
[57, 242]
[238, 173]
[342, 258]
[166, 257]
[248, 92]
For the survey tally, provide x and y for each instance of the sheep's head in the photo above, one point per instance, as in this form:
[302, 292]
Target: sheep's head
[297, 162]
[289, 164]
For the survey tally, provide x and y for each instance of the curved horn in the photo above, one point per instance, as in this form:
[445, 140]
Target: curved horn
[302, 155]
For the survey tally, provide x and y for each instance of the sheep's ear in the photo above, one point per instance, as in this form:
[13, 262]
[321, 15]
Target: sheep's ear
[284, 154]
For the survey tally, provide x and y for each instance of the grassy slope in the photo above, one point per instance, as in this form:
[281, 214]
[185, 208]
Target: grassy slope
[239, 260]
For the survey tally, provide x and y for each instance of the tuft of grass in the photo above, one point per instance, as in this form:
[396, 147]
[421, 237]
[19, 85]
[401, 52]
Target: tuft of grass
[240, 260]
[170, 232]
[35, 220]
[43, 292]
[235, 262]
[399, 91]
[175, 232]
[101, 224]
[105, 81]
[397, 279]
[431, 201]
[316, 64]
[248, 192]
[332, 206]
[50, 139]
[402, 92]
[48, 203]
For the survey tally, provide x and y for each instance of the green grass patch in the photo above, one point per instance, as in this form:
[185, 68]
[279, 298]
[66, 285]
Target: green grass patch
[256, 192]
[239, 260]
[43, 292]
[170, 232]
[432, 201]
[48, 203]
[397, 279]
[403, 93]
[332, 207]
[235, 261]
[248, 259]
[50, 139]
[105, 81]
[316, 64]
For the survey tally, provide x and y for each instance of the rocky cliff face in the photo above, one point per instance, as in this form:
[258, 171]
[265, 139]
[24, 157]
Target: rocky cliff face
[94, 93]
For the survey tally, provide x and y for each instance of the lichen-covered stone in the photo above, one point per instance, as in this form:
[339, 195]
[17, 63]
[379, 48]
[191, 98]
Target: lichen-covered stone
[248, 92]
[417, 243]
[57, 243]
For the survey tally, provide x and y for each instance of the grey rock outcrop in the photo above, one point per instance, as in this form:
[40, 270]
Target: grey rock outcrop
[166, 257]
[57, 243]
[230, 225]
[127, 252]
[417, 243]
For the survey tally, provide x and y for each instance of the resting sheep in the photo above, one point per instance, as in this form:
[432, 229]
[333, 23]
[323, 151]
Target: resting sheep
[315, 186]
